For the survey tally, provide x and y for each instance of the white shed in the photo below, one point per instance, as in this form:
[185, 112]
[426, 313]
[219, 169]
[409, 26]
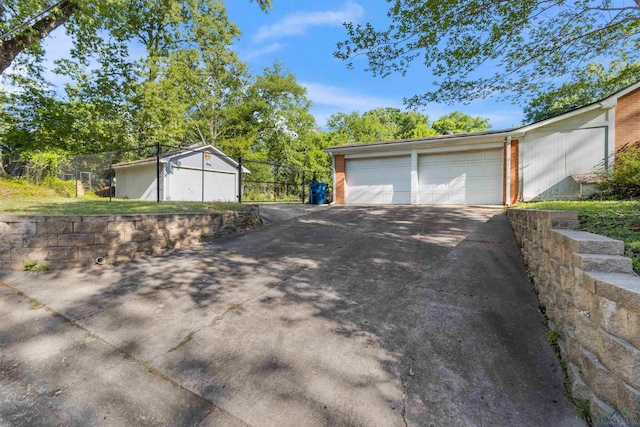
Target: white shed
[195, 174]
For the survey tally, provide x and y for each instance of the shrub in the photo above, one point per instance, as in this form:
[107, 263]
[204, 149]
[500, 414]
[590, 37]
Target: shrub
[624, 183]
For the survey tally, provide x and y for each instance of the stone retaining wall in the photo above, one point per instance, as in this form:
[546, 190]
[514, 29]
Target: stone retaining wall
[73, 241]
[592, 300]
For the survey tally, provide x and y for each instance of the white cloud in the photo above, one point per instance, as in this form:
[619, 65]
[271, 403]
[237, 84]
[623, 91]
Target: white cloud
[255, 53]
[299, 23]
[346, 99]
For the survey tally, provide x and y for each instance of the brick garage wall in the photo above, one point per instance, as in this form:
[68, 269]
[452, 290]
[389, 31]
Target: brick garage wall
[75, 241]
[592, 299]
[627, 119]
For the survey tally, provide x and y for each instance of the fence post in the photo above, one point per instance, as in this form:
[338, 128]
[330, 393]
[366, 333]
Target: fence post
[110, 175]
[158, 172]
[76, 162]
[240, 179]
[203, 177]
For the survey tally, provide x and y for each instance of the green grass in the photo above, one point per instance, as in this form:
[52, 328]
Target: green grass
[19, 197]
[616, 219]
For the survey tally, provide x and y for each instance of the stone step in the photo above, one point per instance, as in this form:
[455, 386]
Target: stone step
[603, 263]
[589, 243]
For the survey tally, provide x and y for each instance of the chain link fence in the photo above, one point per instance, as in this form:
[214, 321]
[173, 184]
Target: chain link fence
[160, 173]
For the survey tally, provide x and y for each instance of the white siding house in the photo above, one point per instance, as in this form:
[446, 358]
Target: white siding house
[540, 161]
[199, 174]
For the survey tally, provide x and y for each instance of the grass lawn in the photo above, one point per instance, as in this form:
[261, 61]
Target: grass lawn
[618, 220]
[22, 198]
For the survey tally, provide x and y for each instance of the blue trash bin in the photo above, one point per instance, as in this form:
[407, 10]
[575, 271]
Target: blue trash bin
[318, 193]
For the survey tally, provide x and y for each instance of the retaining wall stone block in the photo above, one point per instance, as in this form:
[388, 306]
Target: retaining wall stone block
[107, 238]
[605, 263]
[40, 241]
[628, 397]
[582, 298]
[24, 228]
[138, 236]
[61, 227]
[91, 226]
[602, 380]
[75, 239]
[43, 254]
[120, 226]
[587, 332]
[620, 357]
[579, 388]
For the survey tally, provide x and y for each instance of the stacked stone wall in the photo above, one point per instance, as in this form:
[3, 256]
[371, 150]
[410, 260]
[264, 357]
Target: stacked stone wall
[62, 241]
[592, 299]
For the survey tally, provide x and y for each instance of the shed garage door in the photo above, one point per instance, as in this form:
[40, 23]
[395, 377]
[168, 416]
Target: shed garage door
[473, 177]
[383, 180]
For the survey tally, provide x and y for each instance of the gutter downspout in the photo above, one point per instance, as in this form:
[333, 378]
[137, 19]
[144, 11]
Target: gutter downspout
[508, 172]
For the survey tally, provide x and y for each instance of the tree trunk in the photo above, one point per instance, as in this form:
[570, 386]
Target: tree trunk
[40, 29]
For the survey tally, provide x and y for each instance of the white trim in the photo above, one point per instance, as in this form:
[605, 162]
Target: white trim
[200, 169]
[396, 147]
[438, 149]
[414, 177]
[455, 148]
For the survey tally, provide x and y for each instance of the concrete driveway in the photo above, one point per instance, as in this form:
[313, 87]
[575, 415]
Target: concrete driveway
[385, 316]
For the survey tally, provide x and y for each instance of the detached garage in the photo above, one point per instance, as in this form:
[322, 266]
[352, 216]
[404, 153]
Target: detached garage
[197, 174]
[540, 161]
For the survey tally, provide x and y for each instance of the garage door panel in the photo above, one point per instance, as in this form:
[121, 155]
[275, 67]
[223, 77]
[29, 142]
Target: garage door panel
[379, 181]
[460, 178]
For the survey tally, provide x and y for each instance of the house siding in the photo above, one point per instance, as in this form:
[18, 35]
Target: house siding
[136, 182]
[627, 119]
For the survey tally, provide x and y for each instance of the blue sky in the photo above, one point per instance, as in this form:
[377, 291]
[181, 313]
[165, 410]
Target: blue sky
[303, 35]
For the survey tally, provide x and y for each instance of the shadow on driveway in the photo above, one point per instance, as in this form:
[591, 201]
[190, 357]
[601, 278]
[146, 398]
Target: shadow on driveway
[348, 316]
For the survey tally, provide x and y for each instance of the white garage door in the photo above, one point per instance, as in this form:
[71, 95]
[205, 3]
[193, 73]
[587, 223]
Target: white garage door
[185, 184]
[466, 178]
[381, 181]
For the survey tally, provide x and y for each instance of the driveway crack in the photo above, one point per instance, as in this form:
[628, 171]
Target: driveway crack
[229, 309]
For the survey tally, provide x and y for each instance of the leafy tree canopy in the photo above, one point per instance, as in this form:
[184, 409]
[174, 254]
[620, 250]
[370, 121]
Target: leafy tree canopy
[530, 43]
[458, 122]
[25, 23]
[385, 124]
[590, 84]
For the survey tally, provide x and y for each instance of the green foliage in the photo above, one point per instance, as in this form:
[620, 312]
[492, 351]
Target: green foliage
[624, 183]
[458, 122]
[386, 124]
[530, 44]
[590, 84]
[34, 266]
[42, 166]
[60, 187]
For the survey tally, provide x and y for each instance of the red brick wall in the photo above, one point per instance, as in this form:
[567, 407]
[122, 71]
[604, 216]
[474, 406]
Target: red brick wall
[514, 185]
[628, 119]
[339, 189]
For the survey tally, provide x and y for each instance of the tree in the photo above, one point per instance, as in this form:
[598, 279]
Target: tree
[379, 124]
[529, 42]
[25, 23]
[458, 122]
[590, 84]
